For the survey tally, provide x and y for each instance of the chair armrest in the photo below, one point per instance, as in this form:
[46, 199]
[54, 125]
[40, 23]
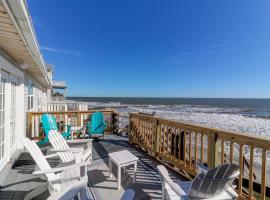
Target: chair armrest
[77, 141]
[71, 150]
[52, 155]
[57, 155]
[60, 169]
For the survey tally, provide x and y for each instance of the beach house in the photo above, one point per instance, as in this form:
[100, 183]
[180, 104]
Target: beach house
[28, 91]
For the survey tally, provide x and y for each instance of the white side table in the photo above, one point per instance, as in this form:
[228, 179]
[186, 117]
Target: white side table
[122, 159]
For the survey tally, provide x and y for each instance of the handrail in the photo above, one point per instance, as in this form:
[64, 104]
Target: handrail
[70, 112]
[180, 145]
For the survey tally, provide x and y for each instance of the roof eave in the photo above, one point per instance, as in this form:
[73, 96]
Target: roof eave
[19, 13]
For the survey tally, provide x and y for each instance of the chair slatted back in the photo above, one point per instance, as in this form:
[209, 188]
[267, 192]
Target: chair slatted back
[39, 158]
[97, 123]
[214, 181]
[48, 123]
[58, 142]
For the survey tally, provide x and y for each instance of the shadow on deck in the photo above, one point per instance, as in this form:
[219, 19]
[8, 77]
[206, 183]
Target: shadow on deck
[17, 181]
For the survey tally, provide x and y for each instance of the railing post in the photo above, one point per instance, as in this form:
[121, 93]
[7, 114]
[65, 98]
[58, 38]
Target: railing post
[156, 132]
[29, 123]
[115, 122]
[212, 156]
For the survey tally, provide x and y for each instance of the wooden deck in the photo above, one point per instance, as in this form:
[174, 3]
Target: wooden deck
[17, 180]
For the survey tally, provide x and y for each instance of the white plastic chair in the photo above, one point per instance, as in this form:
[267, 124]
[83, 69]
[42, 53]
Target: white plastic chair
[59, 144]
[215, 184]
[63, 182]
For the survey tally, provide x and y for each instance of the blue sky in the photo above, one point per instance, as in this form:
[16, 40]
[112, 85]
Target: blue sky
[155, 48]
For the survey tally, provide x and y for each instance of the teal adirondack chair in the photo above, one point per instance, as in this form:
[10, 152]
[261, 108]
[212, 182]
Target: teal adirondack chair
[49, 123]
[97, 125]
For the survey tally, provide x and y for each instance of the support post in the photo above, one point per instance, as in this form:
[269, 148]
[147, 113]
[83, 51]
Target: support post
[212, 156]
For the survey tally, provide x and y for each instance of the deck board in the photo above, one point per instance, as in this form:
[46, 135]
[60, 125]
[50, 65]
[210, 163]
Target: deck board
[17, 181]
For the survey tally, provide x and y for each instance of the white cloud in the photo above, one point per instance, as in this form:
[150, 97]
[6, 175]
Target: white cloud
[65, 51]
[178, 59]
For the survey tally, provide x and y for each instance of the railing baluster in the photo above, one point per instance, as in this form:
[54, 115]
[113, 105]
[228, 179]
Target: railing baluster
[231, 152]
[175, 143]
[196, 148]
[169, 141]
[241, 167]
[250, 193]
[184, 147]
[222, 152]
[167, 136]
[263, 182]
[179, 144]
[202, 148]
[190, 149]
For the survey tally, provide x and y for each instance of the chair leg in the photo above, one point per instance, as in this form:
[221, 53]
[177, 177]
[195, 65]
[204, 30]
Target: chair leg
[118, 177]
[110, 168]
[42, 188]
[135, 171]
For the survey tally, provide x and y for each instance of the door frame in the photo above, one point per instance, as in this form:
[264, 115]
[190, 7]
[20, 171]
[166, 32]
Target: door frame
[6, 156]
[15, 80]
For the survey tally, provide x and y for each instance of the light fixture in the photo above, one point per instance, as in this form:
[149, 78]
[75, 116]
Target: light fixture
[24, 65]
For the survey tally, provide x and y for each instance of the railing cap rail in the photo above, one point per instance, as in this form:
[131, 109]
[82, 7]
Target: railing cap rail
[71, 112]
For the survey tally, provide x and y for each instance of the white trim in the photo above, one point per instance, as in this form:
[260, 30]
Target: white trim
[5, 158]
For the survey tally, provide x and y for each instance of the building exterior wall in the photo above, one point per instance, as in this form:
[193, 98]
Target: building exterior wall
[13, 118]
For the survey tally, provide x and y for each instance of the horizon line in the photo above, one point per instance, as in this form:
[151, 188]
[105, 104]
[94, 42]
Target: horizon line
[169, 97]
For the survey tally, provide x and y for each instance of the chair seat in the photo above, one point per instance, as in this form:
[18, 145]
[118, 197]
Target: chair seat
[185, 185]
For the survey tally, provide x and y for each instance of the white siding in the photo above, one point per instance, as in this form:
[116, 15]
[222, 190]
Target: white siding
[14, 73]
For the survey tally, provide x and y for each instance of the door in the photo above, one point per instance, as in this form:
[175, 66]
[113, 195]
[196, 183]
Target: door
[13, 111]
[3, 138]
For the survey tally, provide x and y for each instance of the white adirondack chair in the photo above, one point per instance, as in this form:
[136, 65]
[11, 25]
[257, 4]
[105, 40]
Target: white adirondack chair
[215, 184]
[63, 182]
[59, 144]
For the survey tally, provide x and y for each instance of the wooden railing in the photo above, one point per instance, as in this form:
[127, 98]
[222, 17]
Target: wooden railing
[180, 145]
[64, 118]
[63, 106]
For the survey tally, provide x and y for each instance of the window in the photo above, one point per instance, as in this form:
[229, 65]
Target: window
[30, 95]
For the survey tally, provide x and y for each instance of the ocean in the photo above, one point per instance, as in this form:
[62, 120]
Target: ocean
[249, 116]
